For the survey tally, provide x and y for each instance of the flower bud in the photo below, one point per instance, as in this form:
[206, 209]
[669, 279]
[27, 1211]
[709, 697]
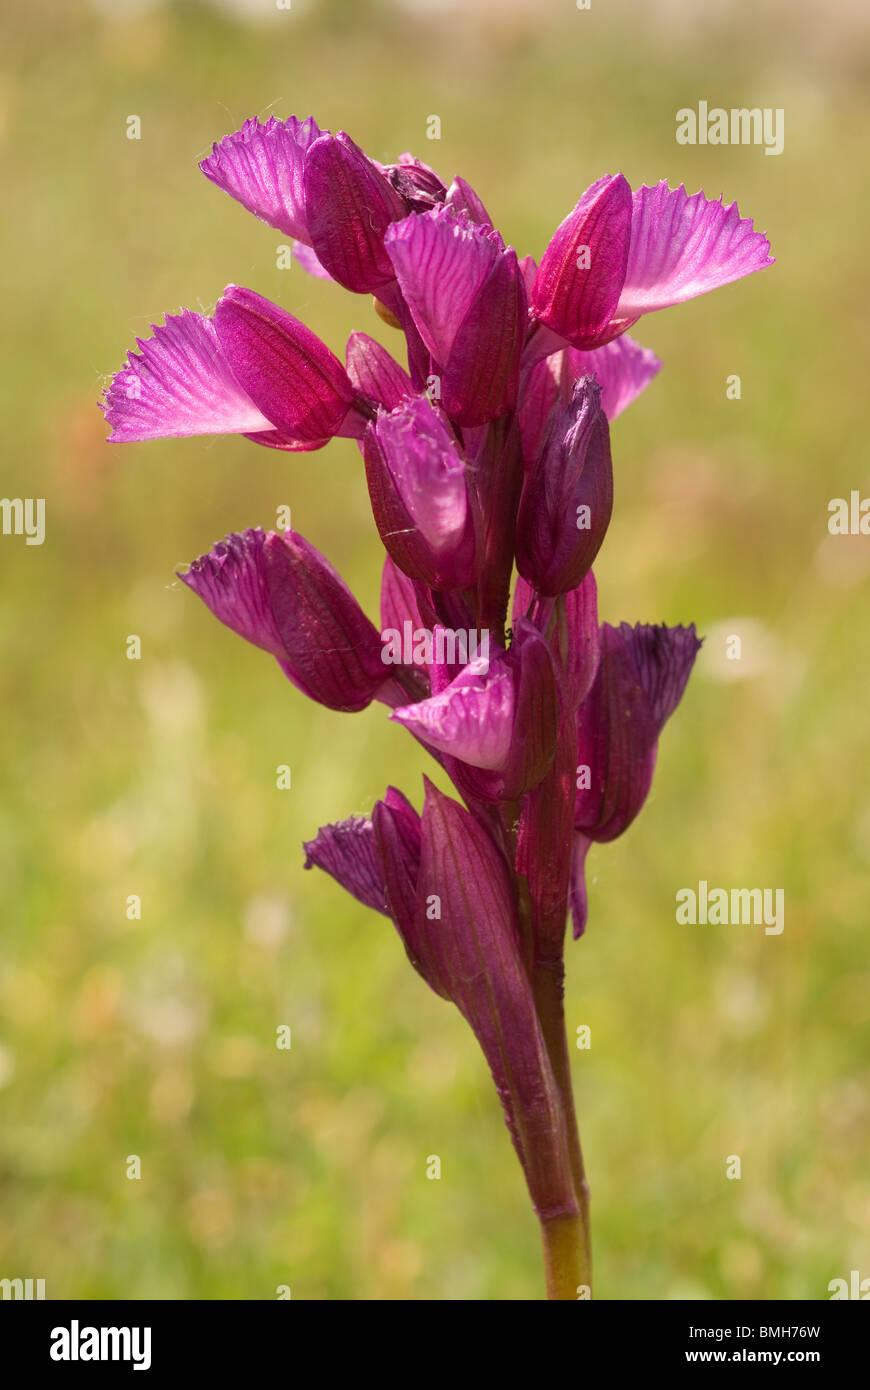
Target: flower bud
[567, 495]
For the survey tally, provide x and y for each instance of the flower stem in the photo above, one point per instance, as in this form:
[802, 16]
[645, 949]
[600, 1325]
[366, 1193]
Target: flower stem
[566, 1261]
[549, 998]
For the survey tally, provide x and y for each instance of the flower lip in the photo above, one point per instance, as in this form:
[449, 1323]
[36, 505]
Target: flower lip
[471, 719]
[261, 166]
[684, 245]
[278, 592]
[179, 384]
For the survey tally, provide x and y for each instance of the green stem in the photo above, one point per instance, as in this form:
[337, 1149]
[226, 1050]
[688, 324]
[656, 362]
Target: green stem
[547, 978]
[549, 998]
[565, 1257]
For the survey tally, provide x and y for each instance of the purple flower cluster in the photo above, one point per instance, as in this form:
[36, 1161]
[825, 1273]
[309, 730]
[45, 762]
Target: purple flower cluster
[488, 455]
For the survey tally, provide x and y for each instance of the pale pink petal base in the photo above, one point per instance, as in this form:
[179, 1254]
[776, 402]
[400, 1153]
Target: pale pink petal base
[179, 384]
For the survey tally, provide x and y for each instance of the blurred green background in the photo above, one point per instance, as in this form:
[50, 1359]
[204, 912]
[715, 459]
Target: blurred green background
[156, 777]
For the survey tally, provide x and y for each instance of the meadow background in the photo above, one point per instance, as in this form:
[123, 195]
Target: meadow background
[156, 777]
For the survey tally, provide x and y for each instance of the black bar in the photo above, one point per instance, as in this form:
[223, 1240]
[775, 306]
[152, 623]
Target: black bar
[230, 1339]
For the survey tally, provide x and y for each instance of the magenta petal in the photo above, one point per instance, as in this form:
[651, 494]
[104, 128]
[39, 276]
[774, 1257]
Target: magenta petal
[529, 271]
[375, 373]
[536, 719]
[542, 388]
[398, 843]
[499, 714]
[682, 246]
[575, 639]
[346, 851]
[261, 166]
[179, 384]
[578, 897]
[400, 620]
[495, 456]
[332, 652]
[349, 206]
[398, 599]
[274, 439]
[663, 659]
[285, 368]
[281, 594]
[441, 261]
[461, 197]
[481, 375]
[421, 496]
[575, 299]
[472, 719]
[640, 681]
[622, 368]
[231, 581]
[306, 257]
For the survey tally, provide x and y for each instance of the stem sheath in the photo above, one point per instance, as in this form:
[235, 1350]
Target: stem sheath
[549, 998]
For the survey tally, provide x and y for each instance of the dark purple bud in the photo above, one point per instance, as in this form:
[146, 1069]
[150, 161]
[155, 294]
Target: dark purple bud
[419, 185]
[640, 682]
[567, 495]
[622, 369]
[422, 499]
[280, 593]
